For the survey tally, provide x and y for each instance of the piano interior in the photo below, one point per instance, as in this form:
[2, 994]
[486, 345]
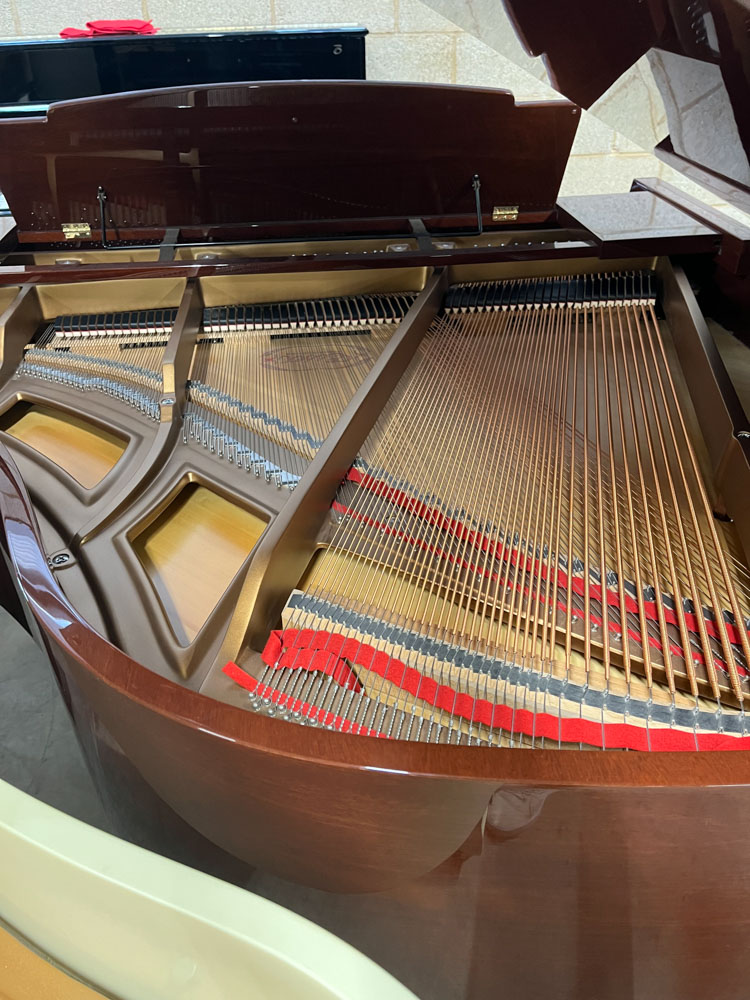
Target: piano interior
[525, 546]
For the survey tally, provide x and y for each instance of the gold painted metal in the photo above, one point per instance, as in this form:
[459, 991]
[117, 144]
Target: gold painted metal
[179, 350]
[192, 551]
[7, 295]
[175, 365]
[20, 315]
[76, 230]
[120, 295]
[246, 289]
[84, 450]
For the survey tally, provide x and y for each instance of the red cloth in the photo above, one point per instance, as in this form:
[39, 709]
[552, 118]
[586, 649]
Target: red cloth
[134, 27]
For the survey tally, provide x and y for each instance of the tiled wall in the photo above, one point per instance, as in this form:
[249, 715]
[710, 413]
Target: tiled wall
[468, 42]
[408, 39]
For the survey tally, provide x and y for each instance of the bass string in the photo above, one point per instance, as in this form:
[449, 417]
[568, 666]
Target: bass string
[657, 448]
[516, 355]
[673, 410]
[259, 369]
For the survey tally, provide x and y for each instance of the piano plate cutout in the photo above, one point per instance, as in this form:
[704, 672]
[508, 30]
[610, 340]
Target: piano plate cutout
[84, 450]
[192, 551]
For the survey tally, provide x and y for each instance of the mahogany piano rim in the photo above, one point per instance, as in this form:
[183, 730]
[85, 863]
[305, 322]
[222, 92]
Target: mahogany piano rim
[129, 678]
[222, 721]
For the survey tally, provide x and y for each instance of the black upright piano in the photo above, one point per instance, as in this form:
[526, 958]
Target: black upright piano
[36, 73]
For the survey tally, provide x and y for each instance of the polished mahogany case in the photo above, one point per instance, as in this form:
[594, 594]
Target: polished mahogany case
[465, 870]
[317, 159]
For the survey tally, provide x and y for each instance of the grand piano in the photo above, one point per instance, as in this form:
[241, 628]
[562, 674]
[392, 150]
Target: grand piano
[384, 517]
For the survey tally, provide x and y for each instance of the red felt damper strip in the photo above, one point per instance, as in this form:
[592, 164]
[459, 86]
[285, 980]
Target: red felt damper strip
[309, 711]
[503, 553]
[615, 736]
[309, 659]
[594, 619]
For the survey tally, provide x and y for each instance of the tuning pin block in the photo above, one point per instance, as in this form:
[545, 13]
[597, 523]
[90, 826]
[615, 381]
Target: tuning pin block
[585, 291]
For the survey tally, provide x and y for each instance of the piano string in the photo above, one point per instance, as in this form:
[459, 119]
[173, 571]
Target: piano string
[268, 383]
[526, 552]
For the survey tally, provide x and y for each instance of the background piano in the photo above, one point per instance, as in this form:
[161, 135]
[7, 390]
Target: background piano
[35, 73]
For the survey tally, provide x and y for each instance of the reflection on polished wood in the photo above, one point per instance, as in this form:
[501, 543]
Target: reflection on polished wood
[83, 450]
[347, 172]
[72, 257]
[24, 975]
[192, 551]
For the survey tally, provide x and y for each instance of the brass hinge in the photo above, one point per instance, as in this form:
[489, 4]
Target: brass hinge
[76, 230]
[505, 213]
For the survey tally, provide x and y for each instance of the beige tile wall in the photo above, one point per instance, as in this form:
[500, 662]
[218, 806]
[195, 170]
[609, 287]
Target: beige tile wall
[8, 22]
[469, 42]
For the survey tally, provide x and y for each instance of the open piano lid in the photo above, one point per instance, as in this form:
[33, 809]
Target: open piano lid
[261, 160]
[699, 52]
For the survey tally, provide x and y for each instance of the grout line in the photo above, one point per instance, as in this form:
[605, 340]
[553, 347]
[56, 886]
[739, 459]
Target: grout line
[454, 58]
[409, 34]
[273, 11]
[16, 17]
[396, 16]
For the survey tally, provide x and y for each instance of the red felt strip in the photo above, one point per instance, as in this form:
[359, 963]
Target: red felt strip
[624, 736]
[309, 659]
[506, 554]
[309, 711]
[594, 619]
[132, 26]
